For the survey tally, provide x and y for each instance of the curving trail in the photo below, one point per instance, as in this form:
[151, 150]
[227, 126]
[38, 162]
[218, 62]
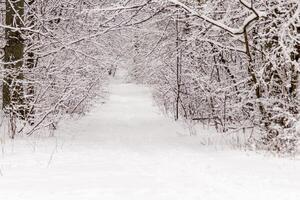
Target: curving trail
[126, 150]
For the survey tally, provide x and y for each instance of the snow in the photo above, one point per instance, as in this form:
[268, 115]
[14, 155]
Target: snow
[126, 149]
[235, 31]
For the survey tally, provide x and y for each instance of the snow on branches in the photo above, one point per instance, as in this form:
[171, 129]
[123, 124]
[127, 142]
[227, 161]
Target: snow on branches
[232, 64]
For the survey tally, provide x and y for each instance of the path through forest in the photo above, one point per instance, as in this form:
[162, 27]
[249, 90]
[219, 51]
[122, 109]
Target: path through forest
[127, 150]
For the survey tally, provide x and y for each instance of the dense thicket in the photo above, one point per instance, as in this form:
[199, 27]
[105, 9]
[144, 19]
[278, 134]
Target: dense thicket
[232, 64]
[56, 55]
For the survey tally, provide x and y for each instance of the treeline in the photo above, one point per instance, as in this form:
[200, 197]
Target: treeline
[232, 64]
[54, 61]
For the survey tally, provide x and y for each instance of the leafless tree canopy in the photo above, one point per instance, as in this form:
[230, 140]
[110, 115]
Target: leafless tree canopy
[229, 64]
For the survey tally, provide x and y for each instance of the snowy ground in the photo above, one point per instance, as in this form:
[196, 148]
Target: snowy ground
[126, 150]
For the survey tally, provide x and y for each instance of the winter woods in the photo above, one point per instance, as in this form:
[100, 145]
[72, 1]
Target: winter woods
[54, 61]
[232, 64]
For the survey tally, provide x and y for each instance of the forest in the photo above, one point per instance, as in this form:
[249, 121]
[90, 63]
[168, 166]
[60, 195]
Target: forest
[230, 64]
[149, 99]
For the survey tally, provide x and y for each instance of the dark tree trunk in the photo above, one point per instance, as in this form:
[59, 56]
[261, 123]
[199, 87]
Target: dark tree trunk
[12, 89]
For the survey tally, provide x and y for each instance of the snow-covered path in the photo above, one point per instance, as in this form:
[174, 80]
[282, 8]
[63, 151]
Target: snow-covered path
[126, 150]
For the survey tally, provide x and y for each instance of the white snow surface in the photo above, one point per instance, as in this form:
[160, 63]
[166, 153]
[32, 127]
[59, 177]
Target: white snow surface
[127, 150]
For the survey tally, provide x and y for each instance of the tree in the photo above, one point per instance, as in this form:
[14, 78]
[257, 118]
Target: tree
[13, 91]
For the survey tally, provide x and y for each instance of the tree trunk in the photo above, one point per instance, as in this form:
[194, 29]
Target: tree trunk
[31, 62]
[178, 66]
[13, 92]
